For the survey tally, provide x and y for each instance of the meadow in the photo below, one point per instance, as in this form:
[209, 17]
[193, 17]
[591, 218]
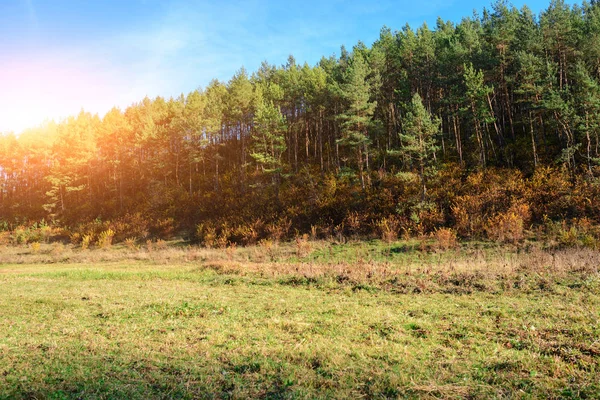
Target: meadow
[307, 319]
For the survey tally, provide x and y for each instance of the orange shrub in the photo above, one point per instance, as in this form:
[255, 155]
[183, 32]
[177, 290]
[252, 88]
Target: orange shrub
[445, 238]
[509, 226]
[278, 230]
[388, 228]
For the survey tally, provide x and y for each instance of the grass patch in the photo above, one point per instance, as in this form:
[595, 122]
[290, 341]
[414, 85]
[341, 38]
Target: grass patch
[238, 326]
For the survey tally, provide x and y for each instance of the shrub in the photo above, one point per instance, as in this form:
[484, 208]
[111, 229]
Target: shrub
[206, 235]
[248, 234]
[388, 229]
[136, 225]
[5, 238]
[210, 237]
[46, 233]
[279, 230]
[589, 241]
[569, 237]
[223, 238]
[462, 221]
[445, 238]
[430, 216]
[35, 247]
[105, 238]
[20, 235]
[75, 238]
[164, 228]
[86, 241]
[575, 236]
[509, 226]
[199, 233]
[354, 222]
[314, 229]
[338, 231]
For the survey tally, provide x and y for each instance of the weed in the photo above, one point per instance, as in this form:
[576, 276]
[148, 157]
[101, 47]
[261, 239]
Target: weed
[75, 238]
[314, 232]
[303, 246]
[388, 229]
[57, 249]
[105, 239]
[130, 243]
[230, 251]
[279, 230]
[86, 241]
[35, 247]
[160, 245]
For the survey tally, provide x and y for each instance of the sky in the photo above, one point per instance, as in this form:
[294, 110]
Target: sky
[58, 57]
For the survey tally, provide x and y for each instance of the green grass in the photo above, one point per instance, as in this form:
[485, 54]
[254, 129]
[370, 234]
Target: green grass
[324, 325]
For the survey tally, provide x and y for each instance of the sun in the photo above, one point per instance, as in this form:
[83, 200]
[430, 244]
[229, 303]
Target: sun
[37, 91]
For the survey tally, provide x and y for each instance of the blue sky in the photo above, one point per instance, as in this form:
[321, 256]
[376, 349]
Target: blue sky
[59, 56]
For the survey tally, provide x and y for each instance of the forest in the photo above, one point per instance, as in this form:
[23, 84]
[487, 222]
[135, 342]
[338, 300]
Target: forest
[487, 128]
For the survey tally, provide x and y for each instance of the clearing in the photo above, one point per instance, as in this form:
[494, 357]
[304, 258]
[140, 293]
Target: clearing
[303, 320]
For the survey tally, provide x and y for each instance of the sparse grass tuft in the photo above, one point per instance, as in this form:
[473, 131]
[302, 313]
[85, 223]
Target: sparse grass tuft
[130, 243]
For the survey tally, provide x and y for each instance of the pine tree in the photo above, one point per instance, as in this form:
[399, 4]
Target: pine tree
[588, 117]
[214, 114]
[239, 112]
[268, 139]
[478, 109]
[116, 142]
[356, 119]
[419, 140]
[529, 91]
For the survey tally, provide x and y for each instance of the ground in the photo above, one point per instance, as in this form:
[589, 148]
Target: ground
[301, 320]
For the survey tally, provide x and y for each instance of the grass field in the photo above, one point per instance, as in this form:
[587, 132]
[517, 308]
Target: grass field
[302, 320]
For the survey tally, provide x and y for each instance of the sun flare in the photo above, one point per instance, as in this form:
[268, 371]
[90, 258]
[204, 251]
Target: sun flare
[39, 91]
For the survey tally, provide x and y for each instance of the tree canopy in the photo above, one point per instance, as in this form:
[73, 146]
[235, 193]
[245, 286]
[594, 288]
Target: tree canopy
[504, 89]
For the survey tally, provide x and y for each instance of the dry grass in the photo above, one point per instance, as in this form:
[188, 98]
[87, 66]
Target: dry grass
[402, 268]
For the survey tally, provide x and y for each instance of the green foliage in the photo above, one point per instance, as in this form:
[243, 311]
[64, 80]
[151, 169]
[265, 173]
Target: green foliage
[419, 140]
[356, 120]
[504, 98]
[269, 138]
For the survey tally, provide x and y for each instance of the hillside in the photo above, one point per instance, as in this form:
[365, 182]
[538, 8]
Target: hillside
[488, 128]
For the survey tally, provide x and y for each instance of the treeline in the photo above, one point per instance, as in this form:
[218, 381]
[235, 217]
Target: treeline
[458, 126]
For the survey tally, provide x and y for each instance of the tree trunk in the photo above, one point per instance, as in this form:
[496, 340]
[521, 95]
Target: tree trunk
[360, 167]
[533, 144]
